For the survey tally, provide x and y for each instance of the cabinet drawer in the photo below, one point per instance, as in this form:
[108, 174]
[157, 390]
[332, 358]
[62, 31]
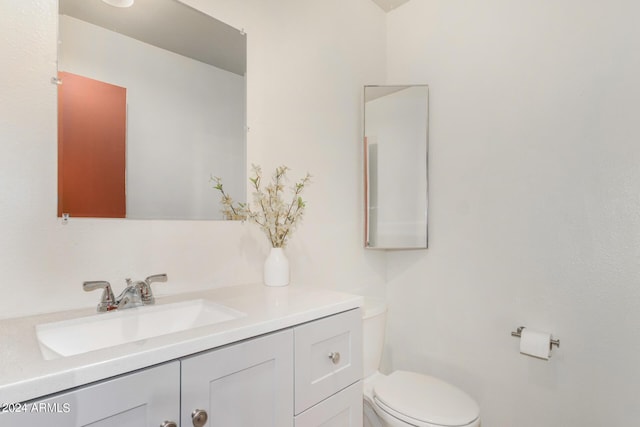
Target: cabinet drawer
[343, 409]
[317, 375]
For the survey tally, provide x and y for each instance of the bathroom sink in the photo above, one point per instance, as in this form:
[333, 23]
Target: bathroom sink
[84, 334]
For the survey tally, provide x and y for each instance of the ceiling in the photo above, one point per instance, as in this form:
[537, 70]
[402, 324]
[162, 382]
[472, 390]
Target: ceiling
[170, 25]
[176, 27]
[388, 5]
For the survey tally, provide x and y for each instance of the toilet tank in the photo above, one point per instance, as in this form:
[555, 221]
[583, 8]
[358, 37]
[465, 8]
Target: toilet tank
[374, 316]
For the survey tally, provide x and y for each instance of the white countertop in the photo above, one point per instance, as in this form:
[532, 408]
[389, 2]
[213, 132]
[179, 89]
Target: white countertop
[26, 375]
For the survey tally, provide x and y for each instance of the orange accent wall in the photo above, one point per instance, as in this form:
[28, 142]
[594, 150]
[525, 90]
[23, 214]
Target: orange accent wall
[92, 127]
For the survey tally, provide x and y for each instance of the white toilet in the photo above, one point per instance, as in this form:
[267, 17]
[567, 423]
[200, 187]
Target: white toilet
[402, 398]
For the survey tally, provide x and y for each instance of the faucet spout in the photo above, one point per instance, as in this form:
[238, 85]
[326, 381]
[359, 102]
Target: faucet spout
[131, 296]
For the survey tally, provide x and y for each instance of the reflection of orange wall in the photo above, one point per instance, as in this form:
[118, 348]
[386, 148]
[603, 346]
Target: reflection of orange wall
[91, 148]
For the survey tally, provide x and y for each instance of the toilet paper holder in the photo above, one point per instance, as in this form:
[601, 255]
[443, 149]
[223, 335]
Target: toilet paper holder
[554, 341]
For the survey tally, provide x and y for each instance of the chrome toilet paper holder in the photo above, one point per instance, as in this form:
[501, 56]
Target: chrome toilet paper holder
[554, 341]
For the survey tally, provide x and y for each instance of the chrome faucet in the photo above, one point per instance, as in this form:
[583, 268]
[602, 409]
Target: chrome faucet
[136, 293]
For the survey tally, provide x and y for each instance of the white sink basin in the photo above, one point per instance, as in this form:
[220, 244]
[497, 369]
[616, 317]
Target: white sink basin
[80, 335]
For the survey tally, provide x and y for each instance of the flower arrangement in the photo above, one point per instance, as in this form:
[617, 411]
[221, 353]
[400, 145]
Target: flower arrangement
[275, 215]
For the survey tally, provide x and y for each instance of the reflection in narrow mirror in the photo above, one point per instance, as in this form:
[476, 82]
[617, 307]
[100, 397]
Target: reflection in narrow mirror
[179, 116]
[396, 146]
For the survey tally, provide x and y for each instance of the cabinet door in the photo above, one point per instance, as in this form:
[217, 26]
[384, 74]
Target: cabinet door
[343, 409]
[145, 398]
[248, 384]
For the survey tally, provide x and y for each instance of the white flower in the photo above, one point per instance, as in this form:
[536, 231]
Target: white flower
[277, 218]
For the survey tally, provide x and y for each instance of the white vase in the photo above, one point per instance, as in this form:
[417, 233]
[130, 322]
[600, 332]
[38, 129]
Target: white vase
[276, 268]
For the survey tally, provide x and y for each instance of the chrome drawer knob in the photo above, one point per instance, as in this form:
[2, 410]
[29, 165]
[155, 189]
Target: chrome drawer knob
[335, 357]
[168, 424]
[199, 417]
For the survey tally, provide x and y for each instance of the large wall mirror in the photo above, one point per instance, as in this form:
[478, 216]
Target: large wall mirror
[396, 147]
[151, 104]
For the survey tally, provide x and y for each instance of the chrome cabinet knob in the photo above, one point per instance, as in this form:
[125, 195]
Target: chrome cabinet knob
[335, 357]
[168, 424]
[199, 417]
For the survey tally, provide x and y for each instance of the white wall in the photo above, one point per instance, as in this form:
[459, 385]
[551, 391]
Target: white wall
[307, 62]
[534, 201]
[185, 121]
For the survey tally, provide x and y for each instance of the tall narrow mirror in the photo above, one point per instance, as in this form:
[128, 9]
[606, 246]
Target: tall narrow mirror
[396, 147]
[151, 104]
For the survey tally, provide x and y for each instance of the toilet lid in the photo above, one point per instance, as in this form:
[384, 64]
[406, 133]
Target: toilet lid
[414, 397]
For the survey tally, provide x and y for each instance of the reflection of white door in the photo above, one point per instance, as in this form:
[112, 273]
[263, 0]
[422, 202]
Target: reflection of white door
[371, 184]
[145, 398]
[91, 147]
[249, 384]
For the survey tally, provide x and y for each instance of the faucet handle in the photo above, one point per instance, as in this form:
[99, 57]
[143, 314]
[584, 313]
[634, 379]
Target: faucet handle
[147, 294]
[107, 300]
[156, 278]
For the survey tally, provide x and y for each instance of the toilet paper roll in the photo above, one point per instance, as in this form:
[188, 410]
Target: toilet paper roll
[536, 344]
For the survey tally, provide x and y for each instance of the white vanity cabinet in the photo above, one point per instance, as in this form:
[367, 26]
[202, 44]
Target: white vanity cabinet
[308, 375]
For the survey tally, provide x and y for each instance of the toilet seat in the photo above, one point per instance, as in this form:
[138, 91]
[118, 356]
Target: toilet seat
[424, 401]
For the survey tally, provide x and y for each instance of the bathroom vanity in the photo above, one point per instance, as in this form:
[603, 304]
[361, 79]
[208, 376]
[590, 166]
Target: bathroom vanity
[293, 357]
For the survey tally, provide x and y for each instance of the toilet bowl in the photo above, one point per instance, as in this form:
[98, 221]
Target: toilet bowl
[402, 398]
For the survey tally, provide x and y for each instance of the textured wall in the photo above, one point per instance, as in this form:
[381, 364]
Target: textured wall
[534, 201]
[307, 62]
